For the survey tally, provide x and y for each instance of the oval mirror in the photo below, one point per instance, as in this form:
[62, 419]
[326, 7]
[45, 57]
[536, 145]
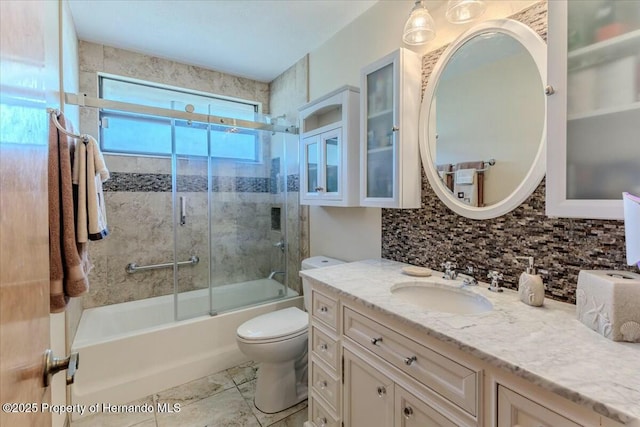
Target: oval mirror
[483, 120]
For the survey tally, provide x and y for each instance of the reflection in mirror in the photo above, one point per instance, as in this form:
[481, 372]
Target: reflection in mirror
[483, 119]
[488, 105]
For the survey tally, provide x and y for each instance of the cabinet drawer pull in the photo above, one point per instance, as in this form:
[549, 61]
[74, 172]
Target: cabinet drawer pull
[323, 309]
[324, 347]
[549, 90]
[409, 360]
[381, 391]
[375, 341]
[322, 421]
[322, 384]
[408, 412]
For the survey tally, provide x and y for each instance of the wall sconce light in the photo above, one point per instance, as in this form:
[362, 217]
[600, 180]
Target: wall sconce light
[419, 28]
[462, 11]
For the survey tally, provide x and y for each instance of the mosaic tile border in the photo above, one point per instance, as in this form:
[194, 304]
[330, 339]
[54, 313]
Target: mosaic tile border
[561, 246]
[149, 182]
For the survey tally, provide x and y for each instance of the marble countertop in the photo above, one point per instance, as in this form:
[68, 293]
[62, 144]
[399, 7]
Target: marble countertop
[546, 345]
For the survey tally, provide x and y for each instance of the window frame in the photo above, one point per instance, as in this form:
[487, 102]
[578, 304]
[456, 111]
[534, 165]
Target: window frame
[257, 106]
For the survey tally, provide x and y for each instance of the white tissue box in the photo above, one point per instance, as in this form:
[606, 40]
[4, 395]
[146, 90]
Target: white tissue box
[608, 301]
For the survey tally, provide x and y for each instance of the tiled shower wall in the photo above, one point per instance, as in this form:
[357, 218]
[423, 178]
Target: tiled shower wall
[288, 92]
[562, 247]
[138, 196]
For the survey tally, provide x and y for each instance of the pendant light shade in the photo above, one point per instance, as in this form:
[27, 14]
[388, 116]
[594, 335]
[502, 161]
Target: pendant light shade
[462, 11]
[419, 28]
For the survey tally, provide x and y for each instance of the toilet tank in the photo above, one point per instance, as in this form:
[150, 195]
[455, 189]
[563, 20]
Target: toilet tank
[308, 264]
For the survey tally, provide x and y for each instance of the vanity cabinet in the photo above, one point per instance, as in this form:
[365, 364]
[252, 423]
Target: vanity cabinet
[593, 152]
[325, 362]
[329, 150]
[368, 368]
[516, 410]
[389, 107]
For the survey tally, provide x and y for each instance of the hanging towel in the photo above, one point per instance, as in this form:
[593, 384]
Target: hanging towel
[68, 261]
[445, 172]
[469, 183]
[89, 172]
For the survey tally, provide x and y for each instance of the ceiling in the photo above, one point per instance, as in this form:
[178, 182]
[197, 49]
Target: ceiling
[258, 39]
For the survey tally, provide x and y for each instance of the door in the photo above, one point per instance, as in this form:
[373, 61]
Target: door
[368, 394]
[24, 231]
[24, 282]
[515, 410]
[311, 162]
[593, 153]
[412, 412]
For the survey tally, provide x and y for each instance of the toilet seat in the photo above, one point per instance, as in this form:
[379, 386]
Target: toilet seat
[275, 326]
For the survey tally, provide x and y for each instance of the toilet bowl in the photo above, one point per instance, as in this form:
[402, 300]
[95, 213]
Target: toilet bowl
[278, 342]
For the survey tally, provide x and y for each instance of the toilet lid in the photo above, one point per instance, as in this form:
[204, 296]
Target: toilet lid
[276, 324]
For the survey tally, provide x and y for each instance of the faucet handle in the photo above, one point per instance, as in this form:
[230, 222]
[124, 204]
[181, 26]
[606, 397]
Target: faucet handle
[448, 265]
[495, 281]
[494, 275]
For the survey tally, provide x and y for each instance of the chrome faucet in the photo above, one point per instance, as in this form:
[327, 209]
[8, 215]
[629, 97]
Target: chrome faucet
[450, 272]
[281, 245]
[469, 279]
[495, 281]
[274, 273]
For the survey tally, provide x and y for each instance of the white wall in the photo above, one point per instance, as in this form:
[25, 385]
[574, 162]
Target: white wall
[355, 233]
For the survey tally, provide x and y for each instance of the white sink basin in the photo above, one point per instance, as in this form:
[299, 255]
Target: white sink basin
[434, 297]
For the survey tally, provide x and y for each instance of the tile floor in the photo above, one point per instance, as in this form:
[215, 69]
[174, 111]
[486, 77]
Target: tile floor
[224, 399]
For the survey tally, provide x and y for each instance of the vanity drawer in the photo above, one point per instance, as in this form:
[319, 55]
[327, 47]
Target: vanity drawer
[325, 347]
[453, 381]
[321, 416]
[324, 309]
[325, 385]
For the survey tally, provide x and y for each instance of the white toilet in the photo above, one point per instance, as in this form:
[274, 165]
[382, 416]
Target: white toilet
[278, 341]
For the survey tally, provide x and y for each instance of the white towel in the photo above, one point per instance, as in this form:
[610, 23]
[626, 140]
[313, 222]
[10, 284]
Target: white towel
[465, 176]
[465, 187]
[89, 172]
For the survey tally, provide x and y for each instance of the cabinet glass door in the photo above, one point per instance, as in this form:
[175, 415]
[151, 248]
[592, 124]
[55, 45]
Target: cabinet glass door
[312, 166]
[380, 135]
[603, 99]
[332, 164]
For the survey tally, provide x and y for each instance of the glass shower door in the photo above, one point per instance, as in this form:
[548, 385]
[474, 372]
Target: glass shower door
[190, 201]
[248, 234]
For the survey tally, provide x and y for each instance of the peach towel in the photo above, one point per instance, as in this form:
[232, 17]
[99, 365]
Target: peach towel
[68, 261]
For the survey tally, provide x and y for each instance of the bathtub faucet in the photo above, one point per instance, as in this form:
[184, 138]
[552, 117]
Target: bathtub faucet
[273, 273]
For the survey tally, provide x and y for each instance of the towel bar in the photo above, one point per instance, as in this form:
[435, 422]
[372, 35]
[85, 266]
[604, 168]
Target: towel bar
[487, 164]
[132, 267]
[54, 113]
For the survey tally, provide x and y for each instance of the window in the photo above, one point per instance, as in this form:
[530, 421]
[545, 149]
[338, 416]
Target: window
[145, 134]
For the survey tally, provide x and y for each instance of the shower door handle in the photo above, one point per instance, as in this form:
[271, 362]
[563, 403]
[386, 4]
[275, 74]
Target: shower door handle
[183, 210]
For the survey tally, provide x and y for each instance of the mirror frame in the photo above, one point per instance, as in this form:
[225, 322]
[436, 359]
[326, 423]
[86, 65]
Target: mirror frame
[537, 48]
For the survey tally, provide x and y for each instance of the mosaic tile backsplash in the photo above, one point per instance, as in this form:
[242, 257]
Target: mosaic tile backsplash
[562, 247]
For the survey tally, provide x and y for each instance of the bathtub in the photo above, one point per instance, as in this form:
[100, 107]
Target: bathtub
[134, 349]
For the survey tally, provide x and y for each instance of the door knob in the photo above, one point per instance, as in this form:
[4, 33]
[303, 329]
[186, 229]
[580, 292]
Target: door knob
[53, 365]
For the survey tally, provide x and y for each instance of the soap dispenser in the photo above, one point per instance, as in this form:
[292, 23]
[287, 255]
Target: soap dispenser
[530, 286]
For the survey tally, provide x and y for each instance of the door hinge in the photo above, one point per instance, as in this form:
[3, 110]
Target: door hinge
[104, 123]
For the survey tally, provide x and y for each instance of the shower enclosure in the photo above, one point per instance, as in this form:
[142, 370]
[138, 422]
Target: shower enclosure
[229, 199]
[197, 202]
